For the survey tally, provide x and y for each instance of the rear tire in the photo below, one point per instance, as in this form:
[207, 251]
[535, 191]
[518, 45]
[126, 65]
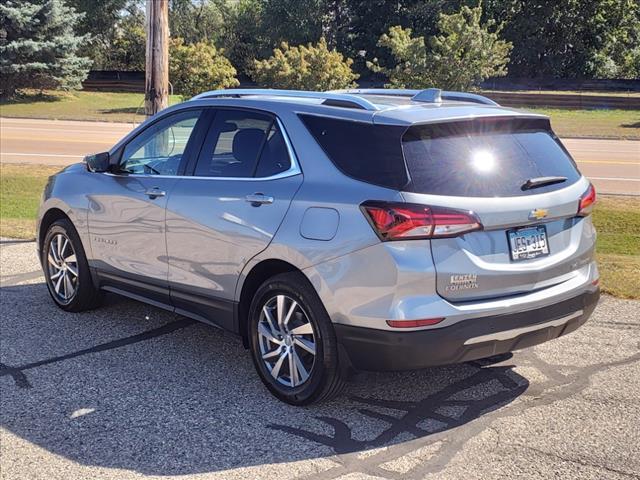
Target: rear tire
[292, 341]
[66, 269]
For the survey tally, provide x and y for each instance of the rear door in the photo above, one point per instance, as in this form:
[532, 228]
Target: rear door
[522, 184]
[228, 210]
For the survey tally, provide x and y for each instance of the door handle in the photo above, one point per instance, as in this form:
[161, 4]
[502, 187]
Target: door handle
[258, 199]
[155, 192]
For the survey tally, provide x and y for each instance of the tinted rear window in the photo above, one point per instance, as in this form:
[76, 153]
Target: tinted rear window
[366, 152]
[485, 158]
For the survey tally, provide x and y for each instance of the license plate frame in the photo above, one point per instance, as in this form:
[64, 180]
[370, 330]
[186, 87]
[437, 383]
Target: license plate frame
[525, 233]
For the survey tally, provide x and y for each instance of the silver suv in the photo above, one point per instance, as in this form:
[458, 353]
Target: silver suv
[334, 231]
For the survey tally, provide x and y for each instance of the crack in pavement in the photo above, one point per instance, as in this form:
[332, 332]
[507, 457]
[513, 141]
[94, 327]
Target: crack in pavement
[442, 410]
[343, 444]
[571, 460]
[21, 380]
[14, 280]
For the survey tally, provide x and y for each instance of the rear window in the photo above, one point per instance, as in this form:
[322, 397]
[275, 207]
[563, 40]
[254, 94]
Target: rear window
[366, 152]
[485, 158]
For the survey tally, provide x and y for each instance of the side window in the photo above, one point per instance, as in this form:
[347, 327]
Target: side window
[159, 149]
[274, 158]
[242, 144]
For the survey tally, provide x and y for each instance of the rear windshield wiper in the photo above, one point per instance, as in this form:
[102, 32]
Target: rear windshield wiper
[541, 182]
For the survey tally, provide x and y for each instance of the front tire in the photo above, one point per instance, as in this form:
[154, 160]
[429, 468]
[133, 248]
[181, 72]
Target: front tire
[292, 341]
[66, 269]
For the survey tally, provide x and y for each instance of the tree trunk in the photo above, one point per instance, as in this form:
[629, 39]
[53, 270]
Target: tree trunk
[157, 57]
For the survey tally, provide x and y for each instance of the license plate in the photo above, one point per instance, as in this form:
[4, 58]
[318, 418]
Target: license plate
[528, 243]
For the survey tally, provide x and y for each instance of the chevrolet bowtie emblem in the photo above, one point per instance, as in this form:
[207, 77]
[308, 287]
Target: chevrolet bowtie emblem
[538, 214]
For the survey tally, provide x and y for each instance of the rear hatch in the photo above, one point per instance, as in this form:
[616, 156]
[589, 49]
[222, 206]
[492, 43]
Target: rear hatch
[524, 189]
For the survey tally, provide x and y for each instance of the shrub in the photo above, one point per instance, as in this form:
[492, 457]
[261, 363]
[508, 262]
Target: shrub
[199, 67]
[310, 67]
[463, 55]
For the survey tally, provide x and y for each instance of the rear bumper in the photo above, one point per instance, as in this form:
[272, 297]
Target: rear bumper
[472, 339]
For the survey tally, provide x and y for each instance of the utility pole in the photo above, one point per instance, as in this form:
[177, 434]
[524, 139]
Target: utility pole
[157, 57]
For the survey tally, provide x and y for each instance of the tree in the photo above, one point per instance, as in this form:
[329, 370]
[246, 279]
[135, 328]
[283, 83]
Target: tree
[128, 45]
[199, 67]
[38, 48]
[310, 67]
[196, 20]
[619, 53]
[464, 54]
[100, 17]
[244, 38]
[253, 28]
[100, 20]
[292, 21]
[569, 39]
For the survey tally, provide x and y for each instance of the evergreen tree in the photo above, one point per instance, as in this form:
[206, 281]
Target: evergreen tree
[465, 53]
[38, 46]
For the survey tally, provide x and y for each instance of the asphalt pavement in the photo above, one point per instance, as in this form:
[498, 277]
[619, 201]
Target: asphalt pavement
[613, 165]
[128, 391]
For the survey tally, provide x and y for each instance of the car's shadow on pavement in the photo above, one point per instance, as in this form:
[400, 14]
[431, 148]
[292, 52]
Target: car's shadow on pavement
[132, 387]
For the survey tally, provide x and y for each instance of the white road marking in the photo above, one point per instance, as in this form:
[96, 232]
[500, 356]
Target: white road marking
[41, 155]
[616, 178]
[68, 130]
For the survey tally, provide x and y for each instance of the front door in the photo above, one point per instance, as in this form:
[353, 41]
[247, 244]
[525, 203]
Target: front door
[127, 209]
[228, 211]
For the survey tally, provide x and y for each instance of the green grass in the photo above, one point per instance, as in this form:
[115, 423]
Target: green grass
[102, 106]
[21, 187]
[593, 123]
[616, 218]
[127, 107]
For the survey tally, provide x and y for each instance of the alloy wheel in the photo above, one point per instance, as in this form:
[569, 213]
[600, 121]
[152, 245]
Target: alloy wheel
[62, 266]
[287, 341]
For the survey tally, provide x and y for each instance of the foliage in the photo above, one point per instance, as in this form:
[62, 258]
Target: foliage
[619, 55]
[570, 39]
[310, 67]
[99, 18]
[196, 20]
[117, 43]
[293, 21]
[253, 28]
[128, 48]
[199, 67]
[38, 48]
[551, 39]
[243, 35]
[464, 54]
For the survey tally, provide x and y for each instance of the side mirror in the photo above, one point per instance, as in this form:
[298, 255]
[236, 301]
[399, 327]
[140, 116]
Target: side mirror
[98, 162]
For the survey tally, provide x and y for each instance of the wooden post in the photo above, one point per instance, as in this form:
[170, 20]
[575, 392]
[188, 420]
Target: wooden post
[157, 57]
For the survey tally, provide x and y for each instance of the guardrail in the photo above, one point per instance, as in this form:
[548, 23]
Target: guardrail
[565, 100]
[113, 85]
[508, 99]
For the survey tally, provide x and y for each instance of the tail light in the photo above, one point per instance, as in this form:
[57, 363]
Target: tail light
[587, 202]
[405, 221]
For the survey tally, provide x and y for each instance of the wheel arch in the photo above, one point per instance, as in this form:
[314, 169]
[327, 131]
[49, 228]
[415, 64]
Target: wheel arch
[50, 216]
[258, 274]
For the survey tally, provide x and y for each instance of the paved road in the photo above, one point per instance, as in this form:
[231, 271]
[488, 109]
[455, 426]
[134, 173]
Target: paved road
[132, 392]
[613, 165]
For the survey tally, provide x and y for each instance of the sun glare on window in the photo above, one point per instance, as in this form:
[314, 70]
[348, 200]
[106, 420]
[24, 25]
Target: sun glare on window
[483, 161]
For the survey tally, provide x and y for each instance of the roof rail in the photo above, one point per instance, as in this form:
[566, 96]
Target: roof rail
[393, 92]
[469, 97]
[429, 95]
[330, 98]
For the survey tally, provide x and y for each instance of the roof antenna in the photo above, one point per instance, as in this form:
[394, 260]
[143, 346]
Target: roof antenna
[430, 95]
